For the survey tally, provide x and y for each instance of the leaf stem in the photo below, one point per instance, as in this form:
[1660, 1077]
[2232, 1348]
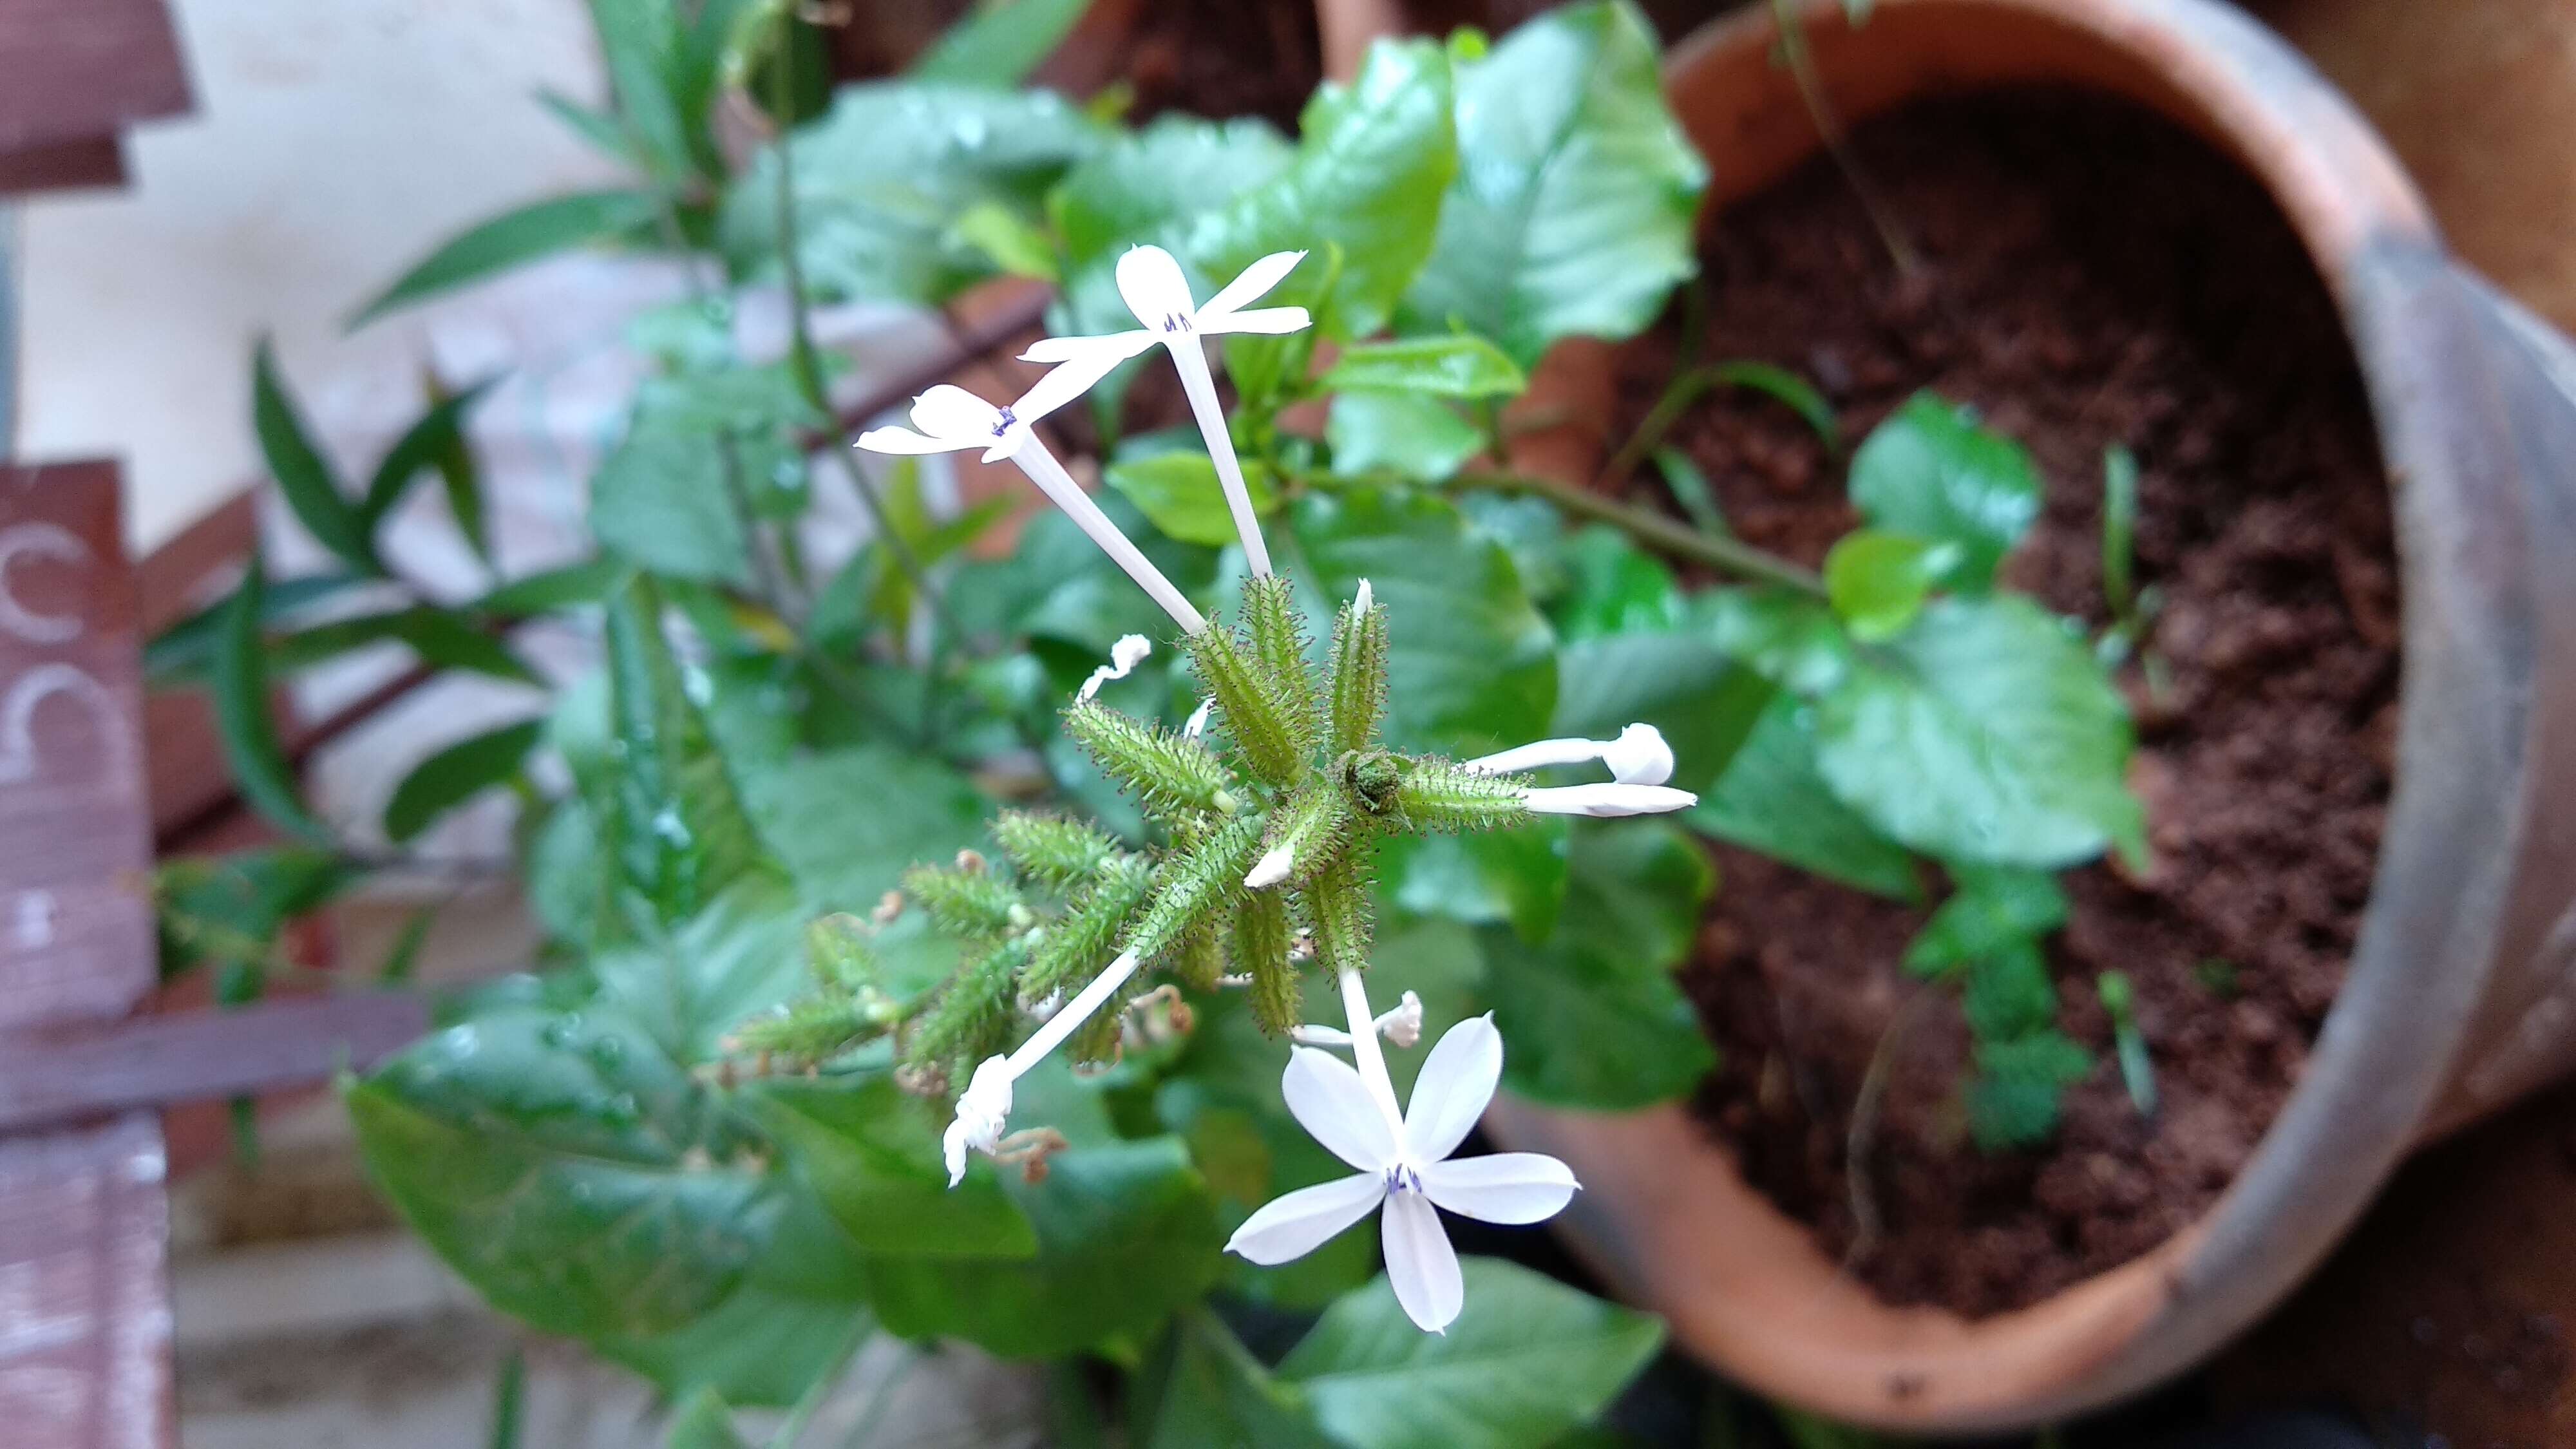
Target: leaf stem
[1678, 539]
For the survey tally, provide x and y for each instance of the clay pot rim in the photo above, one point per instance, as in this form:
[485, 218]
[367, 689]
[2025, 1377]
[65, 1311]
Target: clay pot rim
[1761, 1301]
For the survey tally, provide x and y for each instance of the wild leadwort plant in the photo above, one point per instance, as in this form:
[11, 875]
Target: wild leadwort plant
[1272, 803]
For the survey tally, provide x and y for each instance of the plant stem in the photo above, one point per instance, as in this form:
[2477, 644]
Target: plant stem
[1811, 89]
[1733, 556]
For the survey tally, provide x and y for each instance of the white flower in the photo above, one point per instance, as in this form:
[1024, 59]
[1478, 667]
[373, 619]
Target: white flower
[984, 1108]
[1124, 656]
[1403, 1161]
[951, 419]
[1271, 868]
[1196, 724]
[1157, 291]
[1639, 760]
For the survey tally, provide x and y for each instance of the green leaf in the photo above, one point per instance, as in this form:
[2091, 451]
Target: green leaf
[1408, 434]
[568, 1169]
[1690, 488]
[1571, 212]
[1180, 493]
[1985, 733]
[221, 908]
[2009, 993]
[691, 982]
[1516, 877]
[883, 177]
[1993, 910]
[998, 44]
[1373, 158]
[440, 638]
[682, 835]
[515, 238]
[1789, 638]
[184, 653]
[1126, 1233]
[2119, 527]
[1459, 366]
[872, 1155]
[550, 590]
[704, 1422]
[1127, 190]
[640, 41]
[1878, 581]
[659, 499]
[2013, 1100]
[242, 720]
[1528, 1359]
[1593, 1016]
[1676, 682]
[1932, 472]
[1474, 661]
[1204, 1388]
[1785, 388]
[848, 822]
[1771, 799]
[1015, 244]
[456, 774]
[1614, 587]
[305, 478]
[433, 443]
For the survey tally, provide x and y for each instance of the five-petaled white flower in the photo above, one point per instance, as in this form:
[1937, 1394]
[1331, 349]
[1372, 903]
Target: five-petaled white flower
[1158, 292]
[951, 419]
[1405, 1169]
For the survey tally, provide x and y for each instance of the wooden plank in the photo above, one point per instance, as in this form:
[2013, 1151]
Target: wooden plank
[79, 68]
[75, 844]
[84, 1305]
[201, 1055]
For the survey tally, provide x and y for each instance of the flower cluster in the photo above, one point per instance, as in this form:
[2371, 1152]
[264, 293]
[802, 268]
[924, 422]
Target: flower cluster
[1271, 840]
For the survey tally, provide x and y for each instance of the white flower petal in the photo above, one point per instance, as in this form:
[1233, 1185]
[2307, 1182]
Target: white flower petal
[1420, 1264]
[1328, 1099]
[1297, 1223]
[1124, 656]
[1116, 345]
[1506, 1187]
[1251, 284]
[1538, 754]
[1196, 724]
[982, 1111]
[1062, 384]
[1155, 287]
[1401, 1024]
[1605, 801]
[947, 411]
[905, 440]
[1266, 320]
[1639, 756]
[1270, 869]
[1457, 1080]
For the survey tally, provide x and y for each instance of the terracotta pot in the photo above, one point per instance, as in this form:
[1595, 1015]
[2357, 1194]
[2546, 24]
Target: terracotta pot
[2462, 989]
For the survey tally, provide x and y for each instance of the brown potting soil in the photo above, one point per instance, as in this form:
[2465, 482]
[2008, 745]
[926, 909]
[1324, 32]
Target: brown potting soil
[2089, 275]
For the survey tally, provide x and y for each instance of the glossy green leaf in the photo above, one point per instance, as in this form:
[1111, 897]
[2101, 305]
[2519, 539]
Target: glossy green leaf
[1407, 434]
[568, 1169]
[1772, 799]
[1014, 243]
[1180, 493]
[1477, 663]
[1528, 1359]
[1877, 581]
[690, 982]
[848, 822]
[1459, 366]
[640, 41]
[999, 42]
[439, 637]
[1991, 910]
[1126, 1233]
[1613, 587]
[1177, 165]
[1985, 733]
[1593, 1017]
[1572, 208]
[1787, 637]
[1204, 1388]
[680, 830]
[456, 774]
[659, 499]
[1931, 471]
[304, 477]
[184, 653]
[513, 239]
[872, 1155]
[242, 720]
[882, 178]
[1373, 158]
[1516, 877]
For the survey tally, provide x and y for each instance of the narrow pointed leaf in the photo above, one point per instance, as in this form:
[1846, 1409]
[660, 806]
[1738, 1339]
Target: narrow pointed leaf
[515, 238]
[242, 718]
[304, 477]
[456, 774]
